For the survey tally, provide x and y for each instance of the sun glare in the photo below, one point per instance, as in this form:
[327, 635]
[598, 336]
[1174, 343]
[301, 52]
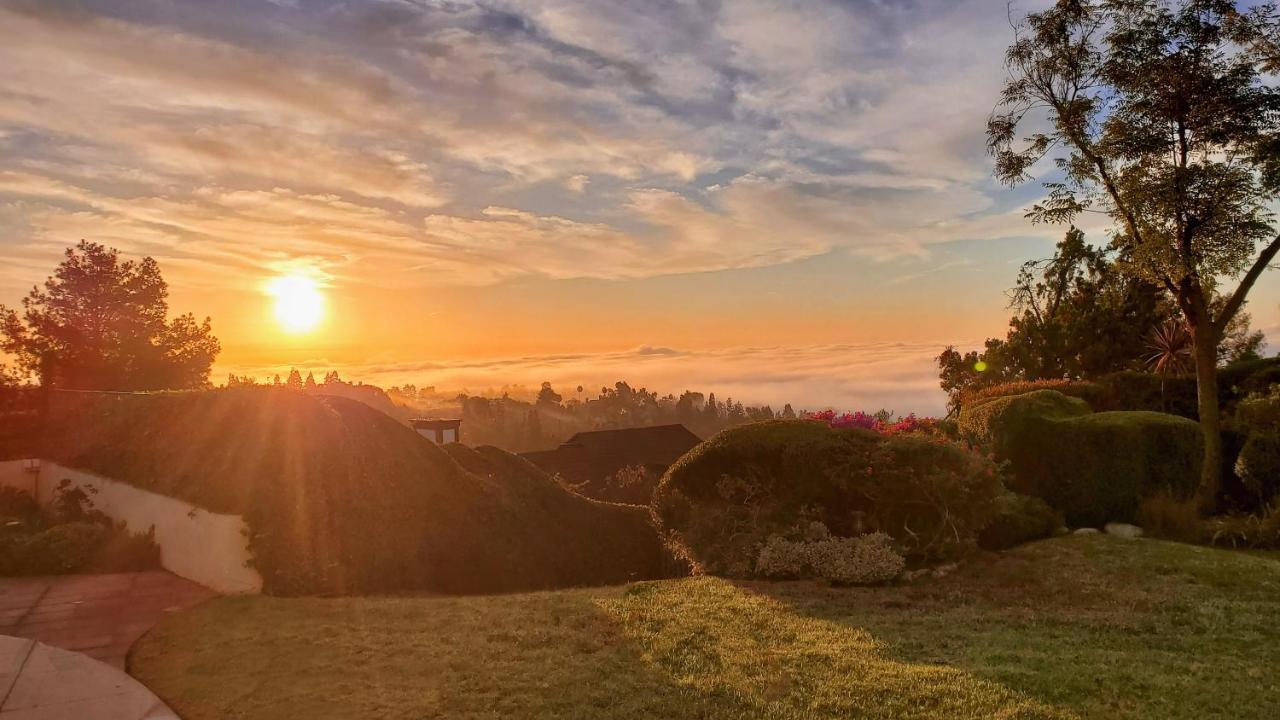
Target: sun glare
[299, 303]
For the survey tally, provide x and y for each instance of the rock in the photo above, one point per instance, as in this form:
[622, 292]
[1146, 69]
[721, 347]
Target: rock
[1086, 531]
[943, 570]
[1124, 530]
[1061, 531]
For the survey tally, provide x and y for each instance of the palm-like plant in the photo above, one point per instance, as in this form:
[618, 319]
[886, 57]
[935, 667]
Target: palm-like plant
[1170, 350]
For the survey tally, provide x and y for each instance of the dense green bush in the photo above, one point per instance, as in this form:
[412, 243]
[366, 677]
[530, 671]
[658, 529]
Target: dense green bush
[1176, 394]
[996, 423]
[70, 537]
[1257, 464]
[863, 560]
[719, 503]
[1019, 519]
[1091, 392]
[56, 550]
[1097, 468]
[1258, 467]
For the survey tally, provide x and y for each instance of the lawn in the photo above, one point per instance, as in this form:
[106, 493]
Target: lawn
[1074, 627]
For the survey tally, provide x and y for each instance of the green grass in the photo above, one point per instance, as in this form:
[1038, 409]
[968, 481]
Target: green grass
[1073, 627]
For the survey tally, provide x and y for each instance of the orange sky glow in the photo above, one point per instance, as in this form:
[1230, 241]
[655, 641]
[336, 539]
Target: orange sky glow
[778, 201]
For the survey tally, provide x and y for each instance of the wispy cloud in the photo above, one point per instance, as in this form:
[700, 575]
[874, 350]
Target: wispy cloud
[477, 142]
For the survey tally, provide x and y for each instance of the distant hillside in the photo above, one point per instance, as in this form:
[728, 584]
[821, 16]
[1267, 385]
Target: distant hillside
[341, 498]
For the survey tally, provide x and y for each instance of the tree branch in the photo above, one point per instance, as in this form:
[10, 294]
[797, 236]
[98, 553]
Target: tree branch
[1237, 298]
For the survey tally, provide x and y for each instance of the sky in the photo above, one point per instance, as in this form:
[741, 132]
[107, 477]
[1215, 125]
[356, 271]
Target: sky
[776, 201]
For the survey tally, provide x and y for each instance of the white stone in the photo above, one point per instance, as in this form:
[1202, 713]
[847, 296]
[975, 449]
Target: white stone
[1086, 531]
[1124, 530]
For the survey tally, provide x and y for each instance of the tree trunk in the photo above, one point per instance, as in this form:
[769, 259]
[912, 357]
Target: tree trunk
[1206, 356]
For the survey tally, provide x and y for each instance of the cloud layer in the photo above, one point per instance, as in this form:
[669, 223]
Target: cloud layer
[421, 142]
[897, 376]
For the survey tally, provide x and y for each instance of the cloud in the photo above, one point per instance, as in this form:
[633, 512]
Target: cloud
[456, 142]
[899, 377]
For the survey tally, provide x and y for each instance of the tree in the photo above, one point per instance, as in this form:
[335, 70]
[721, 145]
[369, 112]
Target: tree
[100, 323]
[548, 398]
[1163, 116]
[295, 380]
[310, 383]
[1078, 315]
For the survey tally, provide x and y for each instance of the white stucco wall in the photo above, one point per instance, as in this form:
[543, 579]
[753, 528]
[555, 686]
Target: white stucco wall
[208, 548]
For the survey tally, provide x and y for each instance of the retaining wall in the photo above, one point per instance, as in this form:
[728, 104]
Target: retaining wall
[205, 547]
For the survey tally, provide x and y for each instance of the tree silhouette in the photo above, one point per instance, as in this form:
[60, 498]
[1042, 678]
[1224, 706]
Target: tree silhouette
[1165, 117]
[100, 323]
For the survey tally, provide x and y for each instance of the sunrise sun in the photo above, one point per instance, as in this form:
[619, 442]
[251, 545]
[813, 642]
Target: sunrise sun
[299, 302]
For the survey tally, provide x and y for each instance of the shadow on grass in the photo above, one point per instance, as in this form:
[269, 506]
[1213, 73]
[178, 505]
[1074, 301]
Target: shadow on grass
[1100, 626]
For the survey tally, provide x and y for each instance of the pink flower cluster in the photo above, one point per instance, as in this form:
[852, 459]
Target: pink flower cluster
[859, 419]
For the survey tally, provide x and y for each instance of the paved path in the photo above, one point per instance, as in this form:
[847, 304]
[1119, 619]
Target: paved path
[38, 682]
[98, 615]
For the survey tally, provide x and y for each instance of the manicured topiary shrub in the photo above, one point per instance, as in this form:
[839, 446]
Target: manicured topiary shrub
[720, 503]
[996, 423]
[1019, 519]
[1097, 468]
[1258, 467]
[1091, 392]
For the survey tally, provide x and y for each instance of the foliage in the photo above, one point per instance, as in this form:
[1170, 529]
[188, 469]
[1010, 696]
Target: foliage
[863, 560]
[1258, 466]
[1090, 392]
[1097, 468]
[100, 323]
[71, 537]
[882, 422]
[1076, 315]
[1259, 531]
[1018, 519]
[1166, 117]
[56, 550]
[721, 501]
[997, 423]
[1170, 348]
[340, 498]
[1165, 515]
[632, 485]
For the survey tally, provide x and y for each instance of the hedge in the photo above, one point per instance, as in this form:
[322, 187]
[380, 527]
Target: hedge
[341, 498]
[1097, 468]
[720, 502]
[996, 423]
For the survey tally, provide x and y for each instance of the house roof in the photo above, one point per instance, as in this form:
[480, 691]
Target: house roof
[434, 423]
[590, 456]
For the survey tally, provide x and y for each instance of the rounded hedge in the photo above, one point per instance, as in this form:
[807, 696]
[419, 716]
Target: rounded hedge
[1097, 468]
[719, 503]
[340, 498]
[1019, 519]
[1258, 467]
[996, 423]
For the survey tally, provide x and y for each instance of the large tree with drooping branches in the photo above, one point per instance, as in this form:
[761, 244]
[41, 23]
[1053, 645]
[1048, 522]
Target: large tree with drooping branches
[1164, 116]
